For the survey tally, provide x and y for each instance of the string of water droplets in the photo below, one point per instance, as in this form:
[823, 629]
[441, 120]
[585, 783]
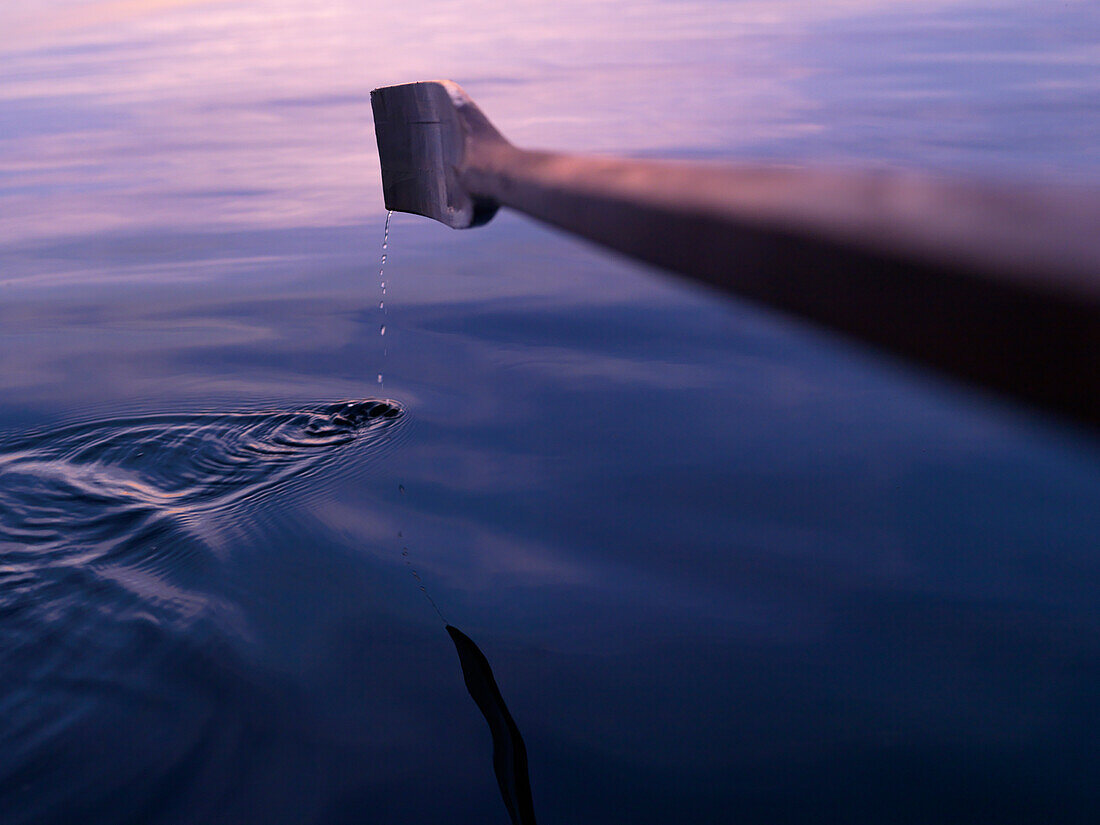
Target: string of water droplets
[382, 298]
[385, 352]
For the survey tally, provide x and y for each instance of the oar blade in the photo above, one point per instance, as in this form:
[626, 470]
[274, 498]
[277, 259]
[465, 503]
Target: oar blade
[421, 145]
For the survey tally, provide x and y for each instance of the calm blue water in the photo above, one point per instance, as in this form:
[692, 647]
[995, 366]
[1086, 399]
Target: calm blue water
[724, 567]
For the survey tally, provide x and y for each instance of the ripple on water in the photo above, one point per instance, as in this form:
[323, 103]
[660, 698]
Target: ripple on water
[107, 518]
[114, 618]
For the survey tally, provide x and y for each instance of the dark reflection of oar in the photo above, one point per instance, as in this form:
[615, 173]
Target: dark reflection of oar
[509, 753]
[992, 283]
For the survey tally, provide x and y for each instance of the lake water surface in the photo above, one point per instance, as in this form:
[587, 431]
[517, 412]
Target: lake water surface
[724, 567]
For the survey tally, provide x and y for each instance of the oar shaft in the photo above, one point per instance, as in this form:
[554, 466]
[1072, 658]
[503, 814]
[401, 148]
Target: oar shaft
[995, 285]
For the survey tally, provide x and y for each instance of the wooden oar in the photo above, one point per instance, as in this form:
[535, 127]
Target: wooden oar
[998, 285]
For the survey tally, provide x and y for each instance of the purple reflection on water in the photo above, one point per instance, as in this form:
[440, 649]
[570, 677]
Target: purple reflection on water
[229, 115]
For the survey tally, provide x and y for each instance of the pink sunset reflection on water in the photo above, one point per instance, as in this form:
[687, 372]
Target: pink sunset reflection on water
[124, 115]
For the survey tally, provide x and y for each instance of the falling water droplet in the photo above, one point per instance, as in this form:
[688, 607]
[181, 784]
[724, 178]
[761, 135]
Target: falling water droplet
[385, 351]
[382, 286]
